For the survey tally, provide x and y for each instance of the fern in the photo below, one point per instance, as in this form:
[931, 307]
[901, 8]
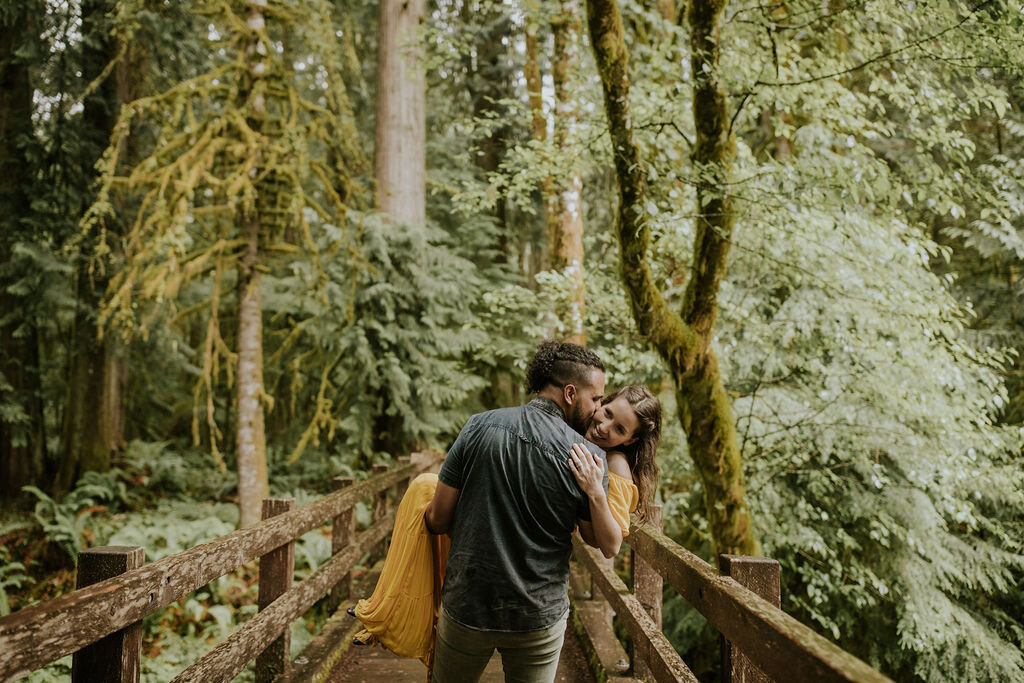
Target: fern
[11, 575]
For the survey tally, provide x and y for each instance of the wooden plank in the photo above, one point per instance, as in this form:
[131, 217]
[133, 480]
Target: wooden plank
[276, 571]
[116, 657]
[231, 655]
[763, 576]
[598, 639]
[315, 662]
[35, 636]
[322, 654]
[777, 643]
[648, 641]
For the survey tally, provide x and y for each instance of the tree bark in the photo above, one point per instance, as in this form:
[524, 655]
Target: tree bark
[92, 416]
[22, 440]
[541, 257]
[400, 160]
[566, 234]
[250, 436]
[683, 340]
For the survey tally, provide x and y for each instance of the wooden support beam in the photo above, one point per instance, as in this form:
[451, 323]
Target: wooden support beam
[276, 571]
[763, 576]
[649, 642]
[116, 657]
[777, 643]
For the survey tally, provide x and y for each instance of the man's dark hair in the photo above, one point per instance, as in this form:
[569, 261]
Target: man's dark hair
[560, 364]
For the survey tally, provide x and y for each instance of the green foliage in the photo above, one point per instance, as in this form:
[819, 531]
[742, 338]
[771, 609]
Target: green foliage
[65, 522]
[11, 575]
[392, 338]
[175, 471]
[254, 138]
[867, 322]
[875, 469]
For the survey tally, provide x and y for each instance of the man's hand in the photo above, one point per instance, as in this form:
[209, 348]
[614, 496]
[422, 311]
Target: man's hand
[441, 511]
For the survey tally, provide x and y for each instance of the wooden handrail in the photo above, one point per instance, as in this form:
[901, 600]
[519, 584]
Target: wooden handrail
[775, 642]
[231, 655]
[649, 642]
[38, 635]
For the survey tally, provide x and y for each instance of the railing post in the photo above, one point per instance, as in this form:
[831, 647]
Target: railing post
[402, 486]
[647, 587]
[761, 575]
[342, 531]
[116, 657]
[276, 570]
[380, 508]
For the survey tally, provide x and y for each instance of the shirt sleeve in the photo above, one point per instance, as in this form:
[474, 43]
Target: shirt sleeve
[453, 469]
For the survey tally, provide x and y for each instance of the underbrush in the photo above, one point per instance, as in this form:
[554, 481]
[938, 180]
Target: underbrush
[166, 501]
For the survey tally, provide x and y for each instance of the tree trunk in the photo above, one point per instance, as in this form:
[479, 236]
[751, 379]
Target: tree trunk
[90, 433]
[566, 235]
[399, 166]
[22, 439]
[250, 436]
[400, 162]
[684, 341]
[539, 129]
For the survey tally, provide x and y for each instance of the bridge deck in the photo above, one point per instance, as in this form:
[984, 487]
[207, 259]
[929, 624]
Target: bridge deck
[377, 665]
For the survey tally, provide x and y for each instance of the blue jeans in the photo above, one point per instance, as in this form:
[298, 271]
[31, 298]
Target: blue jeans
[461, 653]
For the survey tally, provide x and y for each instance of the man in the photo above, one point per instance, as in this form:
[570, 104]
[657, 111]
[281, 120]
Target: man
[509, 501]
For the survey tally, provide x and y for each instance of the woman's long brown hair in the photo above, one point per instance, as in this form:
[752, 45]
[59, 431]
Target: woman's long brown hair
[640, 454]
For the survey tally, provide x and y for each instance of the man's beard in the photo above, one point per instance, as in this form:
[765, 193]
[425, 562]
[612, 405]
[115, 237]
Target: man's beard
[579, 419]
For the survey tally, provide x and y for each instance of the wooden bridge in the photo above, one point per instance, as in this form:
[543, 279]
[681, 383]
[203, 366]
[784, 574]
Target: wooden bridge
[101, 621]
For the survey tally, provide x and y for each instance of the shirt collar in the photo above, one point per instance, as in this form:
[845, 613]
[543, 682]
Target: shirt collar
[548, 406]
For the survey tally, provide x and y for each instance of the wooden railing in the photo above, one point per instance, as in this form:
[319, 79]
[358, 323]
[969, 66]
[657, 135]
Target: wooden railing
[100, 622]
[760, 642]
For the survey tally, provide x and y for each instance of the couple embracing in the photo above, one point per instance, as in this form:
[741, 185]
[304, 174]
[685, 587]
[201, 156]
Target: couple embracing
[515, 485]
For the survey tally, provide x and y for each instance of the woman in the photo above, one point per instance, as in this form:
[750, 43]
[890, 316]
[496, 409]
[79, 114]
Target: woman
[401, 612]
[628, 427]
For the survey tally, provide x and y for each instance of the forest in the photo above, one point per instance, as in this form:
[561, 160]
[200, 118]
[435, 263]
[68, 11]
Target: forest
[250, 245]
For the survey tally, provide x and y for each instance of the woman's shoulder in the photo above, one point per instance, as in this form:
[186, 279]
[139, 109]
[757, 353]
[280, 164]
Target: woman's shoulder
[617, 464]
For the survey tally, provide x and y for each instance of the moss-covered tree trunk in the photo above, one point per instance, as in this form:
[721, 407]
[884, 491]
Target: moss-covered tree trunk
[566, 236]
[683, 339]
[22, 436]
[250, 436]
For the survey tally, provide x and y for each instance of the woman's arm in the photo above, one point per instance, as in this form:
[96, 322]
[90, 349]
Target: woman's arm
[603, 531]
[441, 510]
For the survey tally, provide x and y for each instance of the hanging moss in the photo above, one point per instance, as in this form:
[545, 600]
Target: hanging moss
[241, 142]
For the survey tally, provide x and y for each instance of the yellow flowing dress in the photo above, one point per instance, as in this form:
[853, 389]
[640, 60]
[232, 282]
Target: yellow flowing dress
[402, 612]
